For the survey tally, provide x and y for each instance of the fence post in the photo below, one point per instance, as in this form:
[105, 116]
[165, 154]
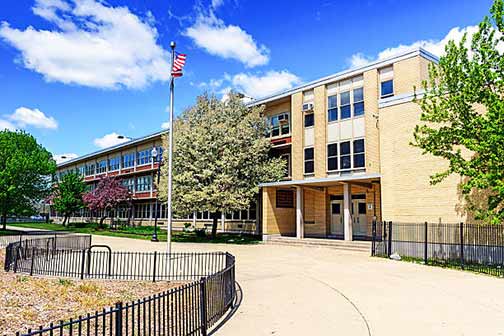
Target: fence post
[389, 250]
[203, 312]
[426, 234]
[154, 270]
[32, 260]
[118, 319]
[373, 242]
[18, 249]
[83, 263]
[462, 245]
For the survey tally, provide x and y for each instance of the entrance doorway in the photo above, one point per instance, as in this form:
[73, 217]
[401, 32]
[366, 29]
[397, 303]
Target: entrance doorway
[359, 219]
[337, 218]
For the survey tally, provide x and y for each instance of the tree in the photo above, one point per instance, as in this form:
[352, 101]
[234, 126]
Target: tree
[463, 108]
[26, 168]
[108, 194]
[221, 155]
[67, 195]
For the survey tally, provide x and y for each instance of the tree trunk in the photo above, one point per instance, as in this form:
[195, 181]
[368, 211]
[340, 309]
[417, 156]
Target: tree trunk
[103, 218]
[4, 221]
[65, 220]
[216, 217]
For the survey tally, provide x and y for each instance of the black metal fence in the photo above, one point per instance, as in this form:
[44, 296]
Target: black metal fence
[28, 235]
[191, 309]
[479, 248]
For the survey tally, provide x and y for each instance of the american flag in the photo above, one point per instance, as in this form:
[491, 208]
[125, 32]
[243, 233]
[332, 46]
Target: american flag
[178, 64]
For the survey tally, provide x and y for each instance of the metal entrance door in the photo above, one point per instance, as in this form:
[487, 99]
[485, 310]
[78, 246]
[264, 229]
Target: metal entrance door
[337, 218]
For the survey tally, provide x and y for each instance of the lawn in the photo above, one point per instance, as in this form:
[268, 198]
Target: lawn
[143, 232]
[28, 302]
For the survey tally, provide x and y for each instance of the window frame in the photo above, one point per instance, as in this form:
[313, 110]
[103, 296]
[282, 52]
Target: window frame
[391, 80]
[363, 153]
[334, 108]
[144, 157]
[312, 160]
[140, 184]
[312, 115]
[128, 160]
[349, 105]
[354, 102]
[333, 156]
[280, 126]
[116, 165]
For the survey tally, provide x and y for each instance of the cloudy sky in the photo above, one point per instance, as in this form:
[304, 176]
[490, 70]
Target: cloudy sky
[85, 74]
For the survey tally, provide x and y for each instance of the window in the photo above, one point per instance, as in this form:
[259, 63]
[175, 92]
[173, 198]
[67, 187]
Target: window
[203, 215]
[128, 160]
[358, 102]
[332, 157]
[143, 183]
[345, 156]
[387, 88]
[358, 154]
[142, 210]
[101, 167]
[345, 108]
[309, 119]
[309, 165]
[332, 108]
[129, 183]
[114, 163]
[144, 157]
[82, 170]
[160, 154]
[279, 124]
[90, 169]
[284, 199]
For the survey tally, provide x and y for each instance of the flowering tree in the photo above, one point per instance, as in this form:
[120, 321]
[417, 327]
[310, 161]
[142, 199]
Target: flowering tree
[109, 193]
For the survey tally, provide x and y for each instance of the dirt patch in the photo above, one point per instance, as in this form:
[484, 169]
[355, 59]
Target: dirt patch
[29, 302]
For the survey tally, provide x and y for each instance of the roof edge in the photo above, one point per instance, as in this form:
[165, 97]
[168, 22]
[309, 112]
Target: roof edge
[419, 51]
[112, 148]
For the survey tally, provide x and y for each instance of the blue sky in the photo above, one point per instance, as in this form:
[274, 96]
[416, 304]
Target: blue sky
[76, 73]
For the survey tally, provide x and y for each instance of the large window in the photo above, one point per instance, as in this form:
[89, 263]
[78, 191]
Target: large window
[114, 163]
[345, 155]
[345, 108]
[332, 157]
[81, 170]
[309, 119]
[387, 88]
[101, 167]
[309, 165]
[90, 169]
[358, 154]
[358, 102]
[332, 108]
[249, 214]
[129, 183]
[143, 183]
[128, 160]
[142, 210]
[144, 157]
[279, 124]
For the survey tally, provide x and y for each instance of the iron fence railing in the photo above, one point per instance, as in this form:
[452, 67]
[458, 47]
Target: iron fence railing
[191, 309]
[479, 248]
[29, 235]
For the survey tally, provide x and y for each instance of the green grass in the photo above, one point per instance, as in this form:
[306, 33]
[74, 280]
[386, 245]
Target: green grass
[491, 270]
[143, 232]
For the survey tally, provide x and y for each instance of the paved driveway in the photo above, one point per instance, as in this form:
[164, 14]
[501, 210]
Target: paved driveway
[291, 290]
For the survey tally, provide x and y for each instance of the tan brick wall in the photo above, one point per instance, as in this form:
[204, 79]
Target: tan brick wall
[320, 148]
[406, 192]
[315, 212]
[277, 107]
[372, 141]
[297, 130]
[409, 73]
[277, 220]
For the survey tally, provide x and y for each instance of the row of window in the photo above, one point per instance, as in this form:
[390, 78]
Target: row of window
[345, 155]
[125, 161]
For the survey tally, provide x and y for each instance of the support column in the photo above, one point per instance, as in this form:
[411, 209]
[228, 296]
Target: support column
[299, 213]
[347, 215]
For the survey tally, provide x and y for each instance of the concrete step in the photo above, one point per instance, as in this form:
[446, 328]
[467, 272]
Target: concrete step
[357, 246]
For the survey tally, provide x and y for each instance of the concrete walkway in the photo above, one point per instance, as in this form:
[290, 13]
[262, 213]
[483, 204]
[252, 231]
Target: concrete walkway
[321, 291]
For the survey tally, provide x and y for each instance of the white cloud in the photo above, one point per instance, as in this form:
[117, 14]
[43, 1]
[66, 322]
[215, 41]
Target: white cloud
[59, 158]
[24, 116]
[165, 125]
[4, 124]
[227, 41]
[110, 140]
[93, 44]
[258, 86]
[437, 47]
[217, 3]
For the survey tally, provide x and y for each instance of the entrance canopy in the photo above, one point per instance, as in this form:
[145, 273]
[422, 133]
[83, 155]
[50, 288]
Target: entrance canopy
[325, 181]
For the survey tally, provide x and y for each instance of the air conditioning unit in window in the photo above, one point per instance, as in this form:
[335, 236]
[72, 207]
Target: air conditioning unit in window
[283, 118]
[307, 107]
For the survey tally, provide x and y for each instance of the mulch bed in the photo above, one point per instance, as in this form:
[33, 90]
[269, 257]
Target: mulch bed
[28, 302]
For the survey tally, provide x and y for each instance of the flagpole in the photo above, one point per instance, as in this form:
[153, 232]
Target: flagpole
[170, 153]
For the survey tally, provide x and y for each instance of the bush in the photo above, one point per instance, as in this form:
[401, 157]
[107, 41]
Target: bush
[200, 233]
